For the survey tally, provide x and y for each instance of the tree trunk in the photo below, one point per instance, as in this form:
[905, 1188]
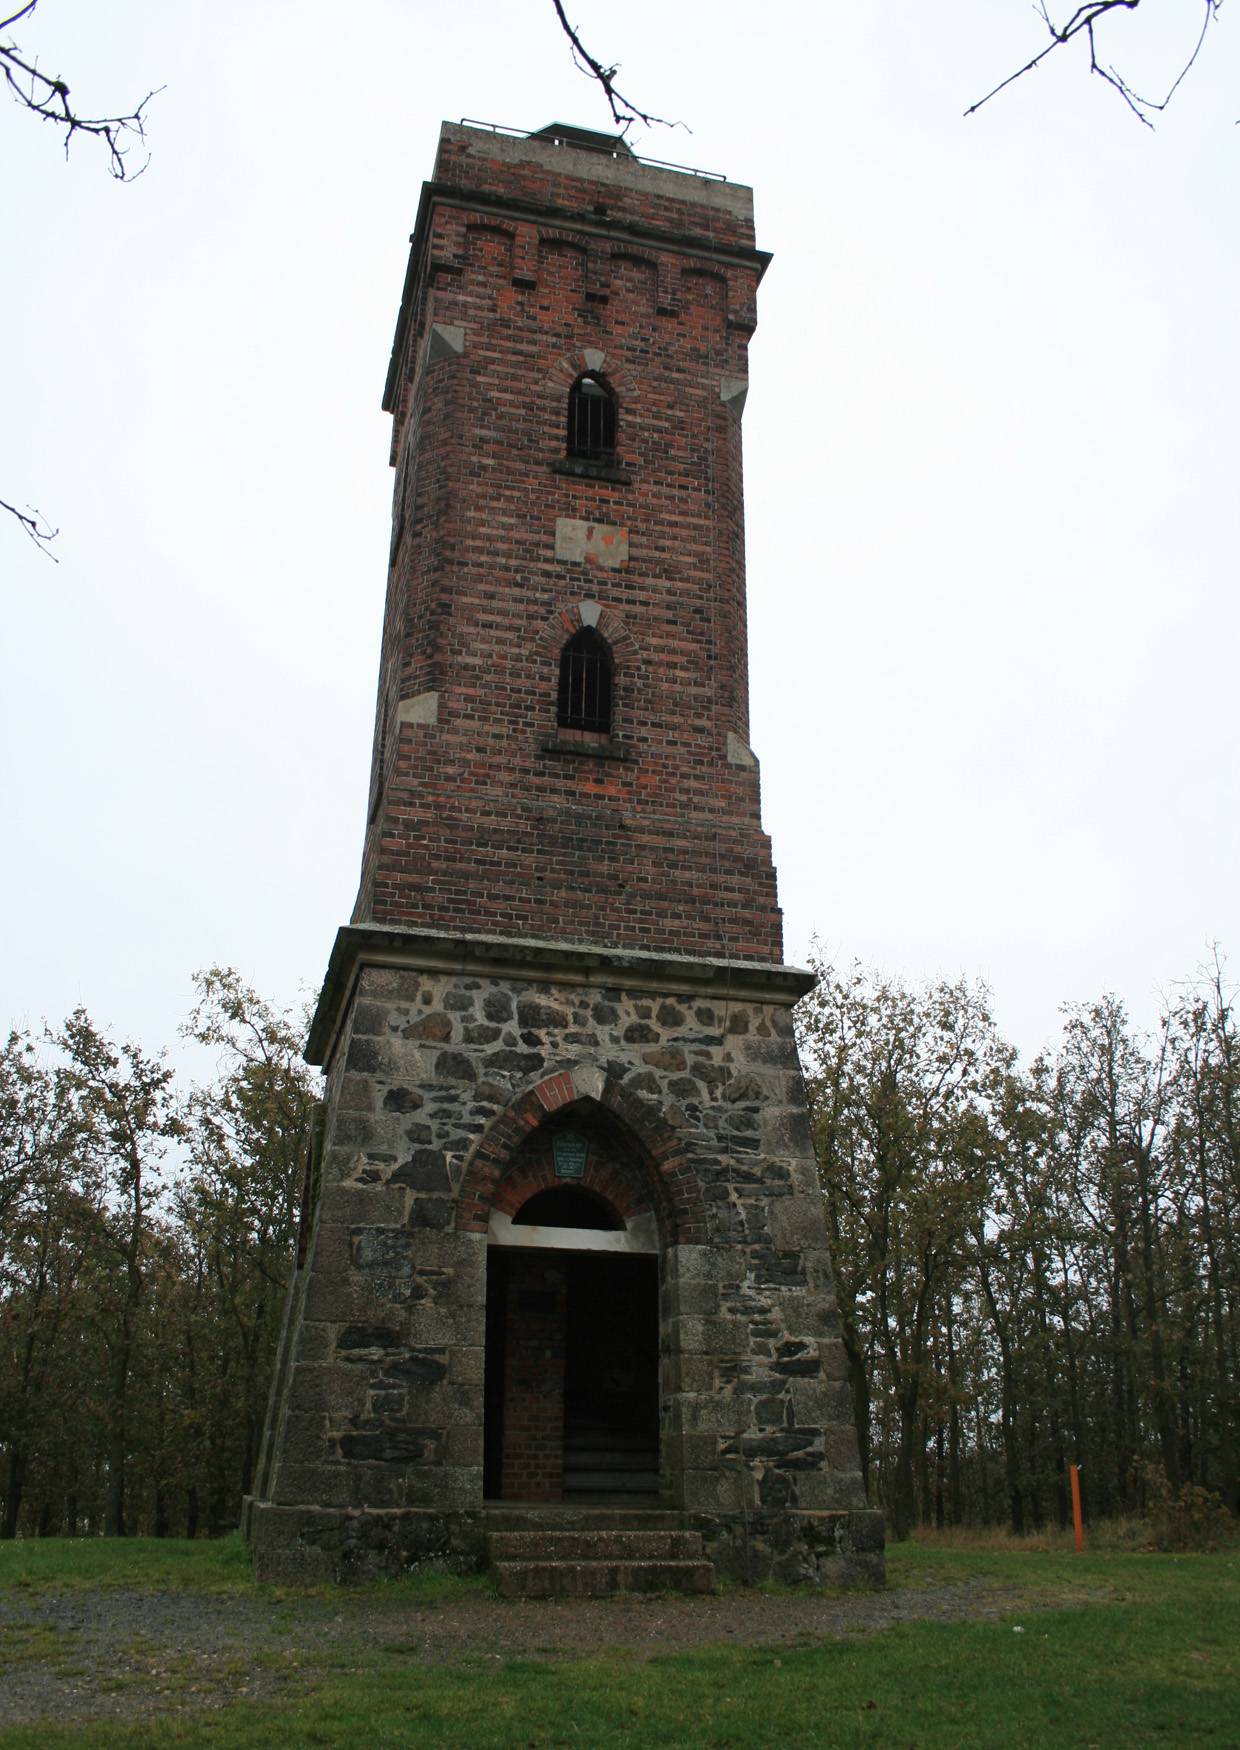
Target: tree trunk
[1164, 1402]
[14, 1483]
[939, 1467]
[923, 1473]
[904, 1491]
[859, 1387]
[954, 1490]
[114, 1513]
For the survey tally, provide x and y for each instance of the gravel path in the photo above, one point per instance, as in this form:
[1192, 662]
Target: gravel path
[114, 1652]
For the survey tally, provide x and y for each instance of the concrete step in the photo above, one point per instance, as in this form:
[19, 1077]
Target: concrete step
[600, 1579]
[595, 1546]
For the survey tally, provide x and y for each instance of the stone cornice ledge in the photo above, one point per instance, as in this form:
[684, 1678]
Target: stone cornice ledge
[542, 962]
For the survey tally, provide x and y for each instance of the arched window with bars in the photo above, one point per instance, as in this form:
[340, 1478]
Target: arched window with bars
[584, 700]
[591, 420]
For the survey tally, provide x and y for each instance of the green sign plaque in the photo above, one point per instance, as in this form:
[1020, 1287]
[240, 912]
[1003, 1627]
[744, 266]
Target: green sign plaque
[570, 1152]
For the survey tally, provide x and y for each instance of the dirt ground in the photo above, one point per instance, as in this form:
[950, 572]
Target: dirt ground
[78, 1655]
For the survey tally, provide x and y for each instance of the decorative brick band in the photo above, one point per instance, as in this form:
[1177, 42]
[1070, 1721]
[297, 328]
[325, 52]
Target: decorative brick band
[664, 1180]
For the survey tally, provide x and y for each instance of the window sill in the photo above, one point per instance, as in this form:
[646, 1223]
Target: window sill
[603, 747]
[580, 469]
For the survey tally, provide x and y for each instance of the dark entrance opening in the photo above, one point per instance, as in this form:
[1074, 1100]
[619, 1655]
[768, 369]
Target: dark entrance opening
[611, 1377]
[572, 1375]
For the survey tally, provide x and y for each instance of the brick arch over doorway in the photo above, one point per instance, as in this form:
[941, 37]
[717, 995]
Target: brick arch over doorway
[674, 1191]
[611, 1173]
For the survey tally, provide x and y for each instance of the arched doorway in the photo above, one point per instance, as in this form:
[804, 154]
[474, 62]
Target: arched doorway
[572, 1331]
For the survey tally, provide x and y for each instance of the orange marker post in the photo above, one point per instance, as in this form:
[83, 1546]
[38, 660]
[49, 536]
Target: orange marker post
[1074, 1472]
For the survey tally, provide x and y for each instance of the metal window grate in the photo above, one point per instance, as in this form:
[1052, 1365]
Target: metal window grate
[591, 420]
[585, 683]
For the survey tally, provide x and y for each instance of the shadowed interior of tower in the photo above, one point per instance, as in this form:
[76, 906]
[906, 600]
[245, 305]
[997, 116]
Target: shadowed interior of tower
[572, 1388]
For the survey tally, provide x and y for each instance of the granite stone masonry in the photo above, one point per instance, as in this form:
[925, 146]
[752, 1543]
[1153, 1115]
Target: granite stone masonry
[563, 1298]
[442, 1082]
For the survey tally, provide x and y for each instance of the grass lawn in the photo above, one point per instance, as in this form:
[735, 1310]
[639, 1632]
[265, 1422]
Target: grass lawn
[1134, 1649]
[34, 1562]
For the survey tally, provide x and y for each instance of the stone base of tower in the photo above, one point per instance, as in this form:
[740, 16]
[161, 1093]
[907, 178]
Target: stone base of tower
[315, 1545]
[567, 1248]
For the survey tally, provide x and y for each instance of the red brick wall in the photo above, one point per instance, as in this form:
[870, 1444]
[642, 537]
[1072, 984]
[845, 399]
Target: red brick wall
[608, 1174]
[477, 827]
[578, 182]
[533, 1463]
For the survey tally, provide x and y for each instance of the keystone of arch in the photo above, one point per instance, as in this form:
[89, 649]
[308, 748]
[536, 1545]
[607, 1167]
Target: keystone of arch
[566, 621]
[566, 370]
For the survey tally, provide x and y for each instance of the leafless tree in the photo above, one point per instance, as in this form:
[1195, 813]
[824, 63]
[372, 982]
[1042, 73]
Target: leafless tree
[36, 526]
[48, 98]
[624, 112]
[1084, 22]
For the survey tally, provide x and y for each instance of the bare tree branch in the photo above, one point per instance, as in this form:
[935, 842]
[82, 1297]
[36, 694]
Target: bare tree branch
[48, 98]
[624, 112]
[36, 526]
[1083, 22]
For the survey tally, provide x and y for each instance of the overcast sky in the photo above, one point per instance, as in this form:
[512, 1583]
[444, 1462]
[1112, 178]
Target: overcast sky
[990, 477]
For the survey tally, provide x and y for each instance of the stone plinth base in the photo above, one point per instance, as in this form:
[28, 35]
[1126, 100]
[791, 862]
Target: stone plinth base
[675, 1342]
[797, 1549]
[312, 1545]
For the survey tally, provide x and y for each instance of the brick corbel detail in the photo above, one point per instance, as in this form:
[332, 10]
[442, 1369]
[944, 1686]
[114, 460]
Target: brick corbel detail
[598, 273]
[553, 237]
[488, 228]
[697, 279]
[525, 257]
[626, 252]
[447, 246]
[668, 286]
[742, 310]
[674, 1190]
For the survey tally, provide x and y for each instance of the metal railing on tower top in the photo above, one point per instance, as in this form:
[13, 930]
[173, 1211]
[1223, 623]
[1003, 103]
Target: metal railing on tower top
[621, 148]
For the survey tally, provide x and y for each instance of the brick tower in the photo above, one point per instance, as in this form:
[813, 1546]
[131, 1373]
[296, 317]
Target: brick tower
[564, 1270]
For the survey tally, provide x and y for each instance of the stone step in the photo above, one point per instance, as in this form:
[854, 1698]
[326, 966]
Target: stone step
[595, 1546]
[593, 1553]
[600, 1579]
[584, 1516]
[612, 1457]
[607, 1440]
[582, 1484]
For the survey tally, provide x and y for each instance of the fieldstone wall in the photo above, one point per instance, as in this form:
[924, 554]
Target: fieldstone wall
[375, 1449]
